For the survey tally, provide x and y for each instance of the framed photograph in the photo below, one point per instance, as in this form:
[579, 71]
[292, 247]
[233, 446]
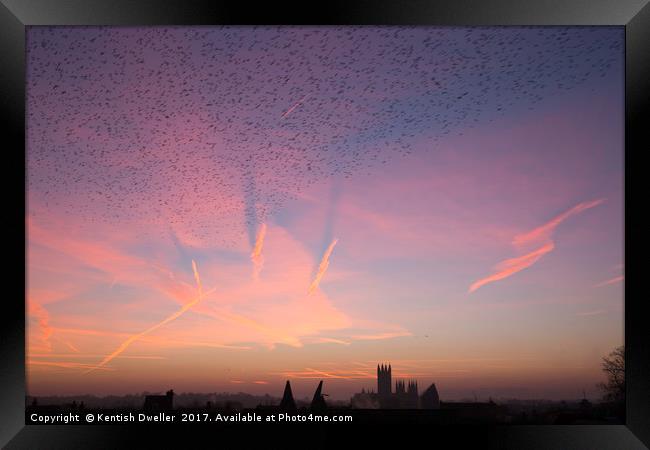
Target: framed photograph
[255, 223]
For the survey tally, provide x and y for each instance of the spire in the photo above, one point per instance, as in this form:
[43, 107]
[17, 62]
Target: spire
[317, 394]
[318, 402]
[287, 403]
[430, 398]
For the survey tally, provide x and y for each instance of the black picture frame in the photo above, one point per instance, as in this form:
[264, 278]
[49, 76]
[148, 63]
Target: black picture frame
[634, 15]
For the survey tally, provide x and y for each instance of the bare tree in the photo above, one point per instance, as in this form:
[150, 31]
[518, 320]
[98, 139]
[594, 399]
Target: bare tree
[614, 368]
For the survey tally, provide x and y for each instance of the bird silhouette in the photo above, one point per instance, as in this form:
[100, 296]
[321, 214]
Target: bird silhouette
[215, 129]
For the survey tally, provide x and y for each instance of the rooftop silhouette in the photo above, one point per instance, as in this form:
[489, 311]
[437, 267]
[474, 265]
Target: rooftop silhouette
[288, 404]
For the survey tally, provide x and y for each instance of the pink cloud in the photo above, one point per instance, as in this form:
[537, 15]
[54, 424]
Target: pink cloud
[611, 281]
[42, 317]
[256, 256]
[322, 267]
[65, 365]
[237, 315]
[124, 345]
[591, 313]
[511, 266]
[286, 113]
[378, 336]
[542, 233]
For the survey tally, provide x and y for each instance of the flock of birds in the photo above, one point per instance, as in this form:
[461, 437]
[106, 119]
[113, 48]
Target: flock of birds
[216, 128]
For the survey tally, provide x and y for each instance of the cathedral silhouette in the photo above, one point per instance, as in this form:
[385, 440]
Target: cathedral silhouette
[406, 394]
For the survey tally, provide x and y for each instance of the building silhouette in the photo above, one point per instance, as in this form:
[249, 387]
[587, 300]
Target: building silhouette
[384, 383]
[405, 396]
[287, 403]
[158, 403]
[430, 398]
[318, 402]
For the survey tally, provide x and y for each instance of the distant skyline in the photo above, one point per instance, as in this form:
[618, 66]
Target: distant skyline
[220, 209]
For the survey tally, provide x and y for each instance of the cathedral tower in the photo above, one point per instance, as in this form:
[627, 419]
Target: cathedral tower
[384, 381]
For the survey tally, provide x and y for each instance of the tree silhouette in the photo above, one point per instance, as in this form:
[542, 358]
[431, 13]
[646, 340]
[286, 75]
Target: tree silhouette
[614, 368]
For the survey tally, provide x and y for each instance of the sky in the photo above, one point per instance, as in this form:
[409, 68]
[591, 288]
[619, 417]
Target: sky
[225, 208]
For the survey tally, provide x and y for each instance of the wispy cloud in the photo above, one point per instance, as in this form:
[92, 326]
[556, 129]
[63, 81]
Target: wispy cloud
[197, 278]
[256, 256]
[43, 318]
[82, 356]
[287, 112]
[87, 332]
[511, 266]
[611, 281]
[174, 316]
[66, 365]
[326, 340]
[310, 373]
[70, 346]
[344, 373]
[591, 313]
[542, 234]
[379, 336]
[322, 267]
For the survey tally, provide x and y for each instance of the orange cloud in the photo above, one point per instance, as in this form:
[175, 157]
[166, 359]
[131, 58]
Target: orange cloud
[161, 341]
[378, 336]
[268, 313]
[333, 373]
[322, 267]
[544, 232]
[86, 332]
[610, 281]
[70, 346]
[540, 234]
[591, 313]
[81, 356]
[256, 255]
[197, 278]
[326, 340]
[511, 266]
[66, 365]
[174, 316]
[43, 319]
[614, 280]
